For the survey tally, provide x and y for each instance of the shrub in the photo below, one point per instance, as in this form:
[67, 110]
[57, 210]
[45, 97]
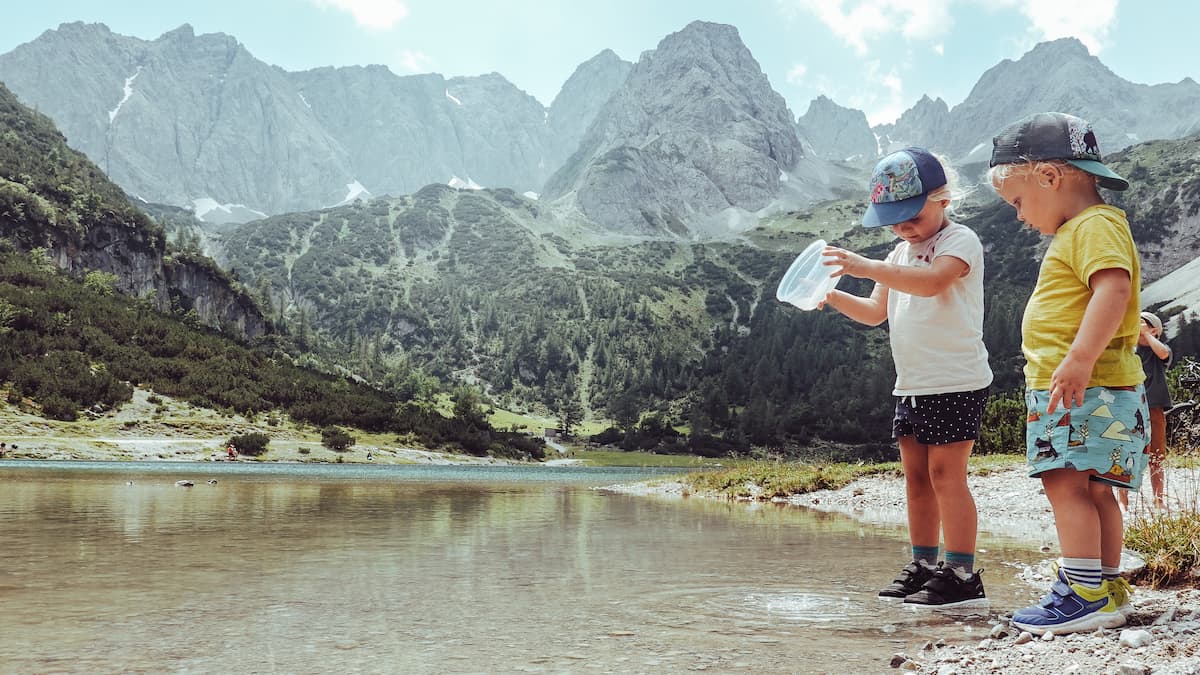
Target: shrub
[336, 439]
[1003, 428]
[252, 445]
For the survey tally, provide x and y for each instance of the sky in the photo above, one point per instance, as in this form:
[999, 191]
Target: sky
[877, 56]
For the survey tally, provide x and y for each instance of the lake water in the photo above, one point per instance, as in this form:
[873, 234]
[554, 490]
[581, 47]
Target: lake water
[412, 569]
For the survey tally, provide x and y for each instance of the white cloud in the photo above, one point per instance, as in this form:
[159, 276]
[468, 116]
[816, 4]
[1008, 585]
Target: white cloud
[415, 61]
[879, 93]
[1087, 20]
[939, 49]
[797, 73]
[375, 14]
[859, 22]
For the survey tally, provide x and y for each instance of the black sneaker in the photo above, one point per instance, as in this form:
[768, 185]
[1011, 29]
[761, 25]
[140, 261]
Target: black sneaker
[947, 589]
[909, 581]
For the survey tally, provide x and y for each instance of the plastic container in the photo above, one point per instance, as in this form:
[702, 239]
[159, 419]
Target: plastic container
[808, 280]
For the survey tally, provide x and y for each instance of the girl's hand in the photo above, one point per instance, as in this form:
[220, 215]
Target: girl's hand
[851, 264]
[1068, 383]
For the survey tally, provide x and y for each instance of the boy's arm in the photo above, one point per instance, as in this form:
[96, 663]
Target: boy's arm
[921, 281]
[871, 310]
[1160, 348]
[1110, 294]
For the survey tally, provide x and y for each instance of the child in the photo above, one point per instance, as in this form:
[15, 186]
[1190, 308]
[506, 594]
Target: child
[1156, 358]
[1087, 409]
[930, 290]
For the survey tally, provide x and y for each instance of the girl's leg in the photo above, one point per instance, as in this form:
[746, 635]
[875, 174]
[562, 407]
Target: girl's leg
[1158, 456]
[924, 519]
[1076, 515]
[1112, 526]
[948, 475]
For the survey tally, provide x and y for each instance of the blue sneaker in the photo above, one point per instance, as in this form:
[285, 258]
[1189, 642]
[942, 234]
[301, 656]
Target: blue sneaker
[1070, 608]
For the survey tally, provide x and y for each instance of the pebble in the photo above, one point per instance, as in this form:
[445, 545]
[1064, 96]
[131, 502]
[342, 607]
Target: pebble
[1133, 638]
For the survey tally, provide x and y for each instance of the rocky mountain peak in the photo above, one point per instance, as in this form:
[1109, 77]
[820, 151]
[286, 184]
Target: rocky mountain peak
[694, 130]
[834, 132]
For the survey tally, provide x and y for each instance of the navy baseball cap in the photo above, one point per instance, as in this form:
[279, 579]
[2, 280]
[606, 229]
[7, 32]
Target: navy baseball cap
[900, 185]
[1054, 135]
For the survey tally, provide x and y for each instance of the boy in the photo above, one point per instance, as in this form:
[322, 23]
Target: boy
[1087, 420]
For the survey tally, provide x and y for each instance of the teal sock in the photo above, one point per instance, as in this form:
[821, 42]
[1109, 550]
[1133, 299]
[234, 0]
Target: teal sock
[960, 561]
[925, 554]
[1083, 571]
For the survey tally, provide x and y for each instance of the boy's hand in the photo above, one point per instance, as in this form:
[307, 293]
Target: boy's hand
[851, 264]
[1068, 383]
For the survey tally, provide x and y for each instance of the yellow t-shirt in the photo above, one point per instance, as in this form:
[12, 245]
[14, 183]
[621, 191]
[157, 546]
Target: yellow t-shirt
[1097, 238]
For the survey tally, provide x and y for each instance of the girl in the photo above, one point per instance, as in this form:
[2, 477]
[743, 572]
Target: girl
[930, 291]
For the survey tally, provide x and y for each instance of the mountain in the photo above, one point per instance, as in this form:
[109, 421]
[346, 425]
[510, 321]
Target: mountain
[581, 98]
[695, 130]
[926, 125]
[54, 199]
[196, 120]
[834, 132]
[1058, 75]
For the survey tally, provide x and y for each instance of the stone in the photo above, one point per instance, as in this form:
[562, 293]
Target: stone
[1133, 638]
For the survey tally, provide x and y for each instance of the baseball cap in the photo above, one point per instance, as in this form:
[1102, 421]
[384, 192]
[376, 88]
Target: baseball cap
[900, 184]
[1054, 135]
[1153, 320]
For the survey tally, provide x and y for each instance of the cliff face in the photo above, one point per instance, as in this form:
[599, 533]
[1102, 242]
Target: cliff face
[53, 198]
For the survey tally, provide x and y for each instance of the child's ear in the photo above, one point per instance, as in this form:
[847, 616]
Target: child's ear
[1048, 175]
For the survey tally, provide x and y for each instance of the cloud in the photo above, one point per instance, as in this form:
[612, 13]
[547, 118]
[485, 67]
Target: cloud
[858, 22]
[797, 73]
[374, 14]
[879, 93]
[415, 61]
[1087, 20]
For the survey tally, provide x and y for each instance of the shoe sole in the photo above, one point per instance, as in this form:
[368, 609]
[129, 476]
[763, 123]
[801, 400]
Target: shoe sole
[1087, 623]
[961, 604]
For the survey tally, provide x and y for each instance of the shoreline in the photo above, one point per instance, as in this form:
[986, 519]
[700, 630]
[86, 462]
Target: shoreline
[1161, 637]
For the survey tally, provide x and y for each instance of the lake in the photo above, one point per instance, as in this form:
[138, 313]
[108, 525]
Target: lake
[334, 568]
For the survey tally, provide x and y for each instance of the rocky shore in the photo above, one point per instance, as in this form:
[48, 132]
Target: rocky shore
[1163, 632]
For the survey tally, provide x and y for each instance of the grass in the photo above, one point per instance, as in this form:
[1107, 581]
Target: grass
[768, 480]
[620, 458]
[1169, 540]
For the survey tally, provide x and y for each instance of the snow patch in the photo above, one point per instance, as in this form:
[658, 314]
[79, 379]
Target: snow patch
[112, 114]
[1133, 137]
[531, 195]
[210, 210]
[304, 100]
[451, 97]
[783, 177]
[354, 191]
[460, 184]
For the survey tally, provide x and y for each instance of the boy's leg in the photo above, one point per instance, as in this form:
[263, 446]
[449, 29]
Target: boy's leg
[1076, 517]
[1158, 456]
[1112, 524]
[948, 475]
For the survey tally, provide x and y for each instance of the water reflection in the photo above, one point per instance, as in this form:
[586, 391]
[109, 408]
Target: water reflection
[304, 573]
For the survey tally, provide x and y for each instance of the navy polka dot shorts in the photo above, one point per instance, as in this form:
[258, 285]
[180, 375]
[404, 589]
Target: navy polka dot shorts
[938, 419]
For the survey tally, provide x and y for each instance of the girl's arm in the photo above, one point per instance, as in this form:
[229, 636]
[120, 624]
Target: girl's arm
[872, 310]
[1110, 294]
[921, 281]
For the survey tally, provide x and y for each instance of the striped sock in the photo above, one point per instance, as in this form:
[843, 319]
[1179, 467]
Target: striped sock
[1109, 572]
[1083, 571]
[925, 554]
[961, 562]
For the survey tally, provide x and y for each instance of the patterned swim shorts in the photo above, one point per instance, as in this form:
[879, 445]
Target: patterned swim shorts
[1108, 434]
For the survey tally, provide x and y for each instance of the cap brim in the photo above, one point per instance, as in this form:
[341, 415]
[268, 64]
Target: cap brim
[1108, 178]
[886, 214]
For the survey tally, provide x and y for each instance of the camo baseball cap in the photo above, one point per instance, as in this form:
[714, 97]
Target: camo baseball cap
[1054, 135]
[900, 184]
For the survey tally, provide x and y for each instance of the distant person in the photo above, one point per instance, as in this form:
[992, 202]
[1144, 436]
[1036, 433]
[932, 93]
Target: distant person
[2, 448]
[1156, 358]
[231, 452]
[1086, 424]
[930, 291]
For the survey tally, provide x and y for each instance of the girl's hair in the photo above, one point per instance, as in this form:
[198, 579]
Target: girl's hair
[953, 190]
[1001, 172]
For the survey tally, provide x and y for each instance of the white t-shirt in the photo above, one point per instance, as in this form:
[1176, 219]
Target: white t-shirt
[937, 342]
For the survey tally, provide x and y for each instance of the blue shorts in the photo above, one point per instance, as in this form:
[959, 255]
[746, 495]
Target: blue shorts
[938, 419]
[1108, 434]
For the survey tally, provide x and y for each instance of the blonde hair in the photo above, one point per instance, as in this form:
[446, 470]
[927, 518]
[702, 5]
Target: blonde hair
[953, 191]
[1002, 172]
